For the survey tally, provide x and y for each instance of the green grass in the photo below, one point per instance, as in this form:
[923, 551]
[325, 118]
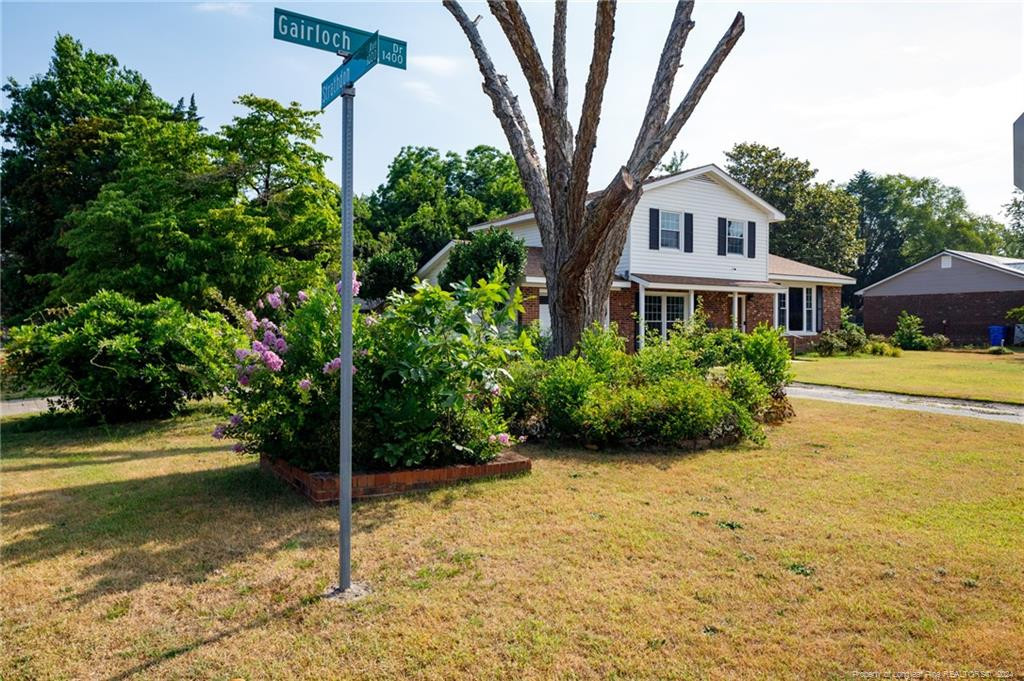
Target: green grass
[952, 373]
[857, 539]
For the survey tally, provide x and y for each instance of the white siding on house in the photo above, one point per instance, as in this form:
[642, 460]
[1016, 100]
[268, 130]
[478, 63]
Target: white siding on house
[530, 235]
[707, 200]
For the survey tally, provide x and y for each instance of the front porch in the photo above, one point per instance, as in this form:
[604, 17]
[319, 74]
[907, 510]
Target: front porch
[801, 310]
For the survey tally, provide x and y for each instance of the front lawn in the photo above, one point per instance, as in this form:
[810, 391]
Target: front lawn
[859, 539]
[951, 373]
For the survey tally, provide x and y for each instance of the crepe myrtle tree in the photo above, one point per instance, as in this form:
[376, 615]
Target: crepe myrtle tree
[583, 239]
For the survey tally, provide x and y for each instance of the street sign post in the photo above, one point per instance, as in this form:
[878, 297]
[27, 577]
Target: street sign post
[362, 50]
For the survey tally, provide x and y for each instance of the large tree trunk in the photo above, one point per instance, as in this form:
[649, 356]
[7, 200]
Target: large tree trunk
[583, 240]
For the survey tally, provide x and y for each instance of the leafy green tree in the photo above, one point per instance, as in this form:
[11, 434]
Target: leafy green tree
[676, 163]
[430, 199]
[239, 212]
[386, 272]
[476, 259]
[61, 146]
[821, 219]
[905, 219]
[1013, 238]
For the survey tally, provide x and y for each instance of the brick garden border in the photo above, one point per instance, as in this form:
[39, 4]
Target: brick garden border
[322, 488]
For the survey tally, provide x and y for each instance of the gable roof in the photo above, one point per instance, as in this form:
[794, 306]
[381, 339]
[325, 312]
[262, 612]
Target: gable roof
[654, 183]
[784, 268]
[1011, 266]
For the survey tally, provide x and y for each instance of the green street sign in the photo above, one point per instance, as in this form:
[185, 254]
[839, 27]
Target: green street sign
[325, 35]
[354, 68]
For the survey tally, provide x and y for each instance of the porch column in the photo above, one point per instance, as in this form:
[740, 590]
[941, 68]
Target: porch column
[691, 304]
[735, 310]
[642, 327]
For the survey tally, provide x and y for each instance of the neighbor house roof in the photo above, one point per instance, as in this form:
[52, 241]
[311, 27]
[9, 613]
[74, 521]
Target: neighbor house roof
[653, 183]
[1011, 266]
[784, 268]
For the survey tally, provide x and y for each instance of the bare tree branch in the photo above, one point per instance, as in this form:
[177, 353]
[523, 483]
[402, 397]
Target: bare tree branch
[659, 144]
[664, 78]
[559, 77]
[513, 22]
[510, 116]
[590, 115]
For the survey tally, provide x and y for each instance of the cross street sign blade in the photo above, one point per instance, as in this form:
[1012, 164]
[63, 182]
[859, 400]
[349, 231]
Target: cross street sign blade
[325, 35]
[361, 61]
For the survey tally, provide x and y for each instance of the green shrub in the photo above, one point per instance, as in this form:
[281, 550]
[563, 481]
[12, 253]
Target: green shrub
[116, 359]
[829, 343]
[882, 349]
[664, 413]
[908, 334]
[999, 350]
[429, 371]
[766, 350]
[605, 351]
[853, 337]
[660, 359]
[746, 387]
[563, 391]
[1016, 315]
[522, 400]
[937, 341]
[878, 338]
[476, 258]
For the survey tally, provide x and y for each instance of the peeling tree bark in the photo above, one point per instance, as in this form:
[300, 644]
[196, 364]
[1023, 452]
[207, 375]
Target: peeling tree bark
[583, 241]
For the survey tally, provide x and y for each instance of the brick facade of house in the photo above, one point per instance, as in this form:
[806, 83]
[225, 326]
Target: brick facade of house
[717, 306]
[963, 317]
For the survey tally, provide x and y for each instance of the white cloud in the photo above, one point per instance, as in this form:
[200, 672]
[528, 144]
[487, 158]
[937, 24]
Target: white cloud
[236, 8]
[436, 65]
[423, 91]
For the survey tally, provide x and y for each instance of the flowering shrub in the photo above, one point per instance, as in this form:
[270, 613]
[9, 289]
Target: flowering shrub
[427, 376]
[116, 359]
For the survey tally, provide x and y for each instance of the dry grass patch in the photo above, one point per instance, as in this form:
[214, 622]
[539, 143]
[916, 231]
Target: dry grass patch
[860, 538]
[951, 373]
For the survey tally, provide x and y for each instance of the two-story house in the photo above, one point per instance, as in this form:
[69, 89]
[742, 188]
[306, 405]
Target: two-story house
[697, 237]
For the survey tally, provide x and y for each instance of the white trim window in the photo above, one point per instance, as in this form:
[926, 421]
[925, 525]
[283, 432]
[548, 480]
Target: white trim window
[669, 230]
[662, 310]
[796, 310]
[735, 233]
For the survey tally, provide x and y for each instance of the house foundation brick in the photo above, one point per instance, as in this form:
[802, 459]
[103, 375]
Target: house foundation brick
[717, 306]
[621, 311]
[531, 305]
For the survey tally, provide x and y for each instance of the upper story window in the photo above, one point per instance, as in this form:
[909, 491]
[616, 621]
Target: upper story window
[946, 261]
[734, 233]
[669, 230]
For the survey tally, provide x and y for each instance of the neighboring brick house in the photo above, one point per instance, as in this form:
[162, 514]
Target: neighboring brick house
[955, 293]
[696, 237]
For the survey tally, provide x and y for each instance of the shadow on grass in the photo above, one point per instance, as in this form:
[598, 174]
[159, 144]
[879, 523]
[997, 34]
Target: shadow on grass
[178, 527]
[92, 458]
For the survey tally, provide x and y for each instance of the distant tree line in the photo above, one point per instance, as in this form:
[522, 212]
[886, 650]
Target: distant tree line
[108, 186]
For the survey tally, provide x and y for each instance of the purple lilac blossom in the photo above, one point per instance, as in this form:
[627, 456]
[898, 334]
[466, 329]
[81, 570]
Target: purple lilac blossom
[218, 432]
[274, 300]
[236, 419]
[304, 385]
[302, 296]
[273, 362]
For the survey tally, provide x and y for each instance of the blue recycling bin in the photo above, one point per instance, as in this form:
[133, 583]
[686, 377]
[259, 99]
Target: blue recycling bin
[995, 335]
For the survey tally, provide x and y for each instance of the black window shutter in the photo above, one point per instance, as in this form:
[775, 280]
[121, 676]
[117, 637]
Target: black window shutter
[688, 232]
[751, 239]
[721, 236]
[655, 241]
[820, 305]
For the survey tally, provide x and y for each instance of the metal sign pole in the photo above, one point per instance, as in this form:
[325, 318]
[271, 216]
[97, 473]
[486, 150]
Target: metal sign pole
[348, 96]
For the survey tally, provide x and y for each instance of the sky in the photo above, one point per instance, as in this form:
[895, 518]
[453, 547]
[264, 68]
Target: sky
[926, 89]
